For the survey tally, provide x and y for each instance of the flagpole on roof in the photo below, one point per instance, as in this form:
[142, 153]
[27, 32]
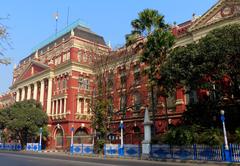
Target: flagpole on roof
[56, 15]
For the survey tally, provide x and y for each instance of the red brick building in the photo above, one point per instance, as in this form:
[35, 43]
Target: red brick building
[127, 88]
[61, 74]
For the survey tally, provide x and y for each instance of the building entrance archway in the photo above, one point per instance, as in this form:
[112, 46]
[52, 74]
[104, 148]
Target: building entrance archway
[59, 138]
[81, 136]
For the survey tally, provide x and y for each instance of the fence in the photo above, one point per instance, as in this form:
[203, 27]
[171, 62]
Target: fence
[192, 152]
[130, 150]
[33, 147]
[235, 152]
[83, 149]
[8, 146]
[111, 150]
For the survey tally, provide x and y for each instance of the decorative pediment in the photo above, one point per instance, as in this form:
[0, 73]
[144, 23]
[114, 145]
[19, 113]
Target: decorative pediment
[221, 11]
[33, 68]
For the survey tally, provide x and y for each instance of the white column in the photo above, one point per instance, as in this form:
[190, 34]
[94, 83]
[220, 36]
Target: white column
[17, 95]
[81, 110]
[23, 94]
[29, 92]
[56, 112]
[42, 91]
[49, 98]
[78, 105]
[35, 91]
[85, 106]
[60, 109]
[53, 107]
[65, 106]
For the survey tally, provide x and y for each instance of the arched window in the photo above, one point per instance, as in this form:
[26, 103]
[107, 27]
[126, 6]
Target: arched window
[110, 106]
[137, 101]
[59, 137]
[81, 132]
[136, 130]
[81, 136]
[110, 80]
[123, 103]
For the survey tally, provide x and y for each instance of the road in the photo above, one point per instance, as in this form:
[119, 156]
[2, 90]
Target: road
[27, 159]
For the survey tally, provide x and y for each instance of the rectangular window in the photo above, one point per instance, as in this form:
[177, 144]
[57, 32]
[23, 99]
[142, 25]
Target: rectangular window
[154, 100]
[191, 97]
[123, 78]
[79, 55]
[64, 57]
[84, 57]
[137, 74]
[80, 82]
[137, 101]
[123, 81]
[171, 103]
[86, 84]
[110, 81]
[68, 55]
[64, 83]
[59, 84]
[123, 103]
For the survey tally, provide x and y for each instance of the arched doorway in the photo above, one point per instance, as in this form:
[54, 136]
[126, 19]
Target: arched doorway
[137, 138]
[59, 138]
[81, 136]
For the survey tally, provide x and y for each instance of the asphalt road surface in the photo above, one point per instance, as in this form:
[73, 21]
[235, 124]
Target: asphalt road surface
[27, 159]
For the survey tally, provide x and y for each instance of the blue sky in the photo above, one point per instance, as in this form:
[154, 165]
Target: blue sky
[32, 21]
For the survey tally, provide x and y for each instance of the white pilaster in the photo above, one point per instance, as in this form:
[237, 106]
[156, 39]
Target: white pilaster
[60, 109]
[29, 92]
[17, 95]
[56, 112]
[42, 91]
[78, 105]
[53, 104]
[81, 110]
[35, 91]
[49, 96]
[65, 106]
[23, 94]
[85, 106]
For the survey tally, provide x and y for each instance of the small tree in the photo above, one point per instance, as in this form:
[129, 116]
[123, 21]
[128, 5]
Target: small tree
[24, 120]
[4, 41]
[210, 67]
[212, 64]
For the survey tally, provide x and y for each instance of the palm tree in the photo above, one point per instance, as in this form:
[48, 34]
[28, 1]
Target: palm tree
[151, 25]
[148, 20]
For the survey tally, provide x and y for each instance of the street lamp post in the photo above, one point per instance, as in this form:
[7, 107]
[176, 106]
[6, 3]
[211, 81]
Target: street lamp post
[0, 136]
[40, 139]
[121, 151]
[226, 148]
[71, 146]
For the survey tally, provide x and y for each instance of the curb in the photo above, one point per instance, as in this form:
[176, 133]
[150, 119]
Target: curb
[102, 157]
[53, 151]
